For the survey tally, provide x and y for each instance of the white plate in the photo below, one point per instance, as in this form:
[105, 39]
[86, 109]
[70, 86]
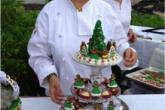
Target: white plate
[119, 59]
[142, 70]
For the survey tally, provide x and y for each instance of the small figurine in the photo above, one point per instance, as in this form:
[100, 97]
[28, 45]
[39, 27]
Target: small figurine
[96, 92]
[111, 106]
[79, 83]
[105, 53]
[94, 53]
[90, 40]
[108, 45]
[112, 52]
[68, 104]
[114, 89]
[112, 82]
[98, 107]
[84, 50]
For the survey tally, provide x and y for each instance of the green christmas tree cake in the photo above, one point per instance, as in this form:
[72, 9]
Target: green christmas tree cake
[97, 52]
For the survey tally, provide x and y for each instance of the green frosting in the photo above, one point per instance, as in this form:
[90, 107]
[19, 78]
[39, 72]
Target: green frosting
[16, 105]
[113, 83]
[160, 73]
[148, 78]
[67, 105]
[110, 108]
[79, 83]
[95, 56]
[97, 38]
[96, 91]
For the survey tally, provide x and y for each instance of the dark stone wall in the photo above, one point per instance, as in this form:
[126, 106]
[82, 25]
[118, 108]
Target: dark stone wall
[148, 6]
[33, 6]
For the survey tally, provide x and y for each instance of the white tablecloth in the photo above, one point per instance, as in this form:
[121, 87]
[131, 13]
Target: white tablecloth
[134, 102]
[144, 47]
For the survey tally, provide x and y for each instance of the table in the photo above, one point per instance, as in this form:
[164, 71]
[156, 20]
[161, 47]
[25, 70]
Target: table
[144, 47]
[135, 102]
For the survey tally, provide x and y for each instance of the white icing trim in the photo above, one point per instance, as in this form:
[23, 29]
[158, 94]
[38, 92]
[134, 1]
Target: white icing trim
[80, 86]
[112, 86]
[69, 108]
[93, 60]
[95, 94]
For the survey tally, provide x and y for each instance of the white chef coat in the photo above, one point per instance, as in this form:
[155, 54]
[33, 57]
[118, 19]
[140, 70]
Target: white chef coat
[123, 12]
[60, 31]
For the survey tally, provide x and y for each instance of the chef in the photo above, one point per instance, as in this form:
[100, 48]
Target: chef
[122, 8]
[61, 27]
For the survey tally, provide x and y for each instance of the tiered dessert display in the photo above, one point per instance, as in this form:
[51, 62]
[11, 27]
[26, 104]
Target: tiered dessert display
[90, 93]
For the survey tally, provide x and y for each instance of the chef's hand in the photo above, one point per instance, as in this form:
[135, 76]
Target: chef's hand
[132, 36]
[55, 90]
[130, 57]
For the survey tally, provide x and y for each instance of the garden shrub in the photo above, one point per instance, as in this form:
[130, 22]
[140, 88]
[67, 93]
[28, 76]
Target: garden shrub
[14, 55]
[147, 20]
[11, 9]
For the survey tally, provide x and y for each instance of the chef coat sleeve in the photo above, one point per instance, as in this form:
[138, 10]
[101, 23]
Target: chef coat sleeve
[118, 35]
[39, 50]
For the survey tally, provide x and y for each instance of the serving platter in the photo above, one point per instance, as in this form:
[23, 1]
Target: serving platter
[143, 80]
[119, 59]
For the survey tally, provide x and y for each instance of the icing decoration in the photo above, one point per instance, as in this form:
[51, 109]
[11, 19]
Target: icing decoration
[16, 105]
[112, 81]
[96, 90]
[111, 106]
[79, 82]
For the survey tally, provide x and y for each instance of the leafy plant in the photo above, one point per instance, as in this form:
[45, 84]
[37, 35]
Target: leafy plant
[47, 1]
[14, 56]
[147, 20]
[11, 9]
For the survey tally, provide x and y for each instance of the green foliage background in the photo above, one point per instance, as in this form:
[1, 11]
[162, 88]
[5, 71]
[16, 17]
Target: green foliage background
[147, 20]
[14, 56]
[11, 9]
[15, 34]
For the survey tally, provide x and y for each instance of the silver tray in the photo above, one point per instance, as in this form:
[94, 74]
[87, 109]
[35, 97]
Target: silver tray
[142, 70]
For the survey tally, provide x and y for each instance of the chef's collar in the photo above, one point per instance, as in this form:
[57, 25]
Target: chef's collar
[83, 8]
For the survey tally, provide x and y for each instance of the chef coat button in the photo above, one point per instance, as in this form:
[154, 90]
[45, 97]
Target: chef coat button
[99, 15]
[58, 13]
[66, 78]
[60, 36]
[63, 59]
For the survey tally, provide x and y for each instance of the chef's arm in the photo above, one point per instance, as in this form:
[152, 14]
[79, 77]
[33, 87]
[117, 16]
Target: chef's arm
[39, 50]
[118, 35]
[122, 45]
